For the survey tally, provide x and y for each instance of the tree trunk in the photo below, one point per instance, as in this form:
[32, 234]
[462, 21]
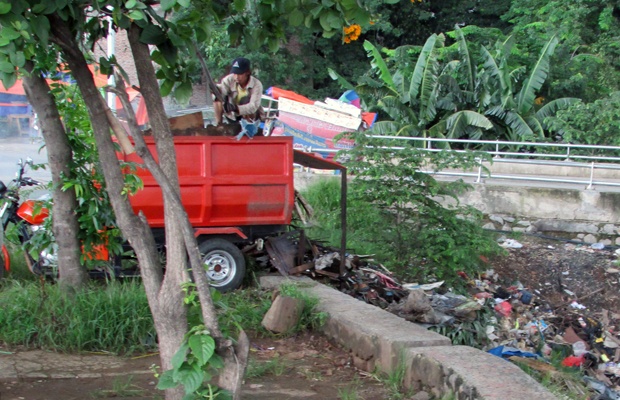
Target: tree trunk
[71, 274]
[234, 358]
[134, 228]
[172, 308]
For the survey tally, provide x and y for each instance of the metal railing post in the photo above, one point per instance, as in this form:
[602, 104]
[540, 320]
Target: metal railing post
[591, 176]
[479, 179]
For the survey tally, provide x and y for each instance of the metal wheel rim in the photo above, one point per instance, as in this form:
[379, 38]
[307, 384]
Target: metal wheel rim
[226, 264]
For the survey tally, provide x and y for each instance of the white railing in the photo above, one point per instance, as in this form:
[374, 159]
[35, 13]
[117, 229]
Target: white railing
[564, 156]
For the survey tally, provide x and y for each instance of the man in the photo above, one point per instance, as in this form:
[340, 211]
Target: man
[242, 94]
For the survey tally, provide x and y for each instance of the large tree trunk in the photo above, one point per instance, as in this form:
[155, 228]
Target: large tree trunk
[134, 228]
[71, 274]
[172, 309]
[178, 230]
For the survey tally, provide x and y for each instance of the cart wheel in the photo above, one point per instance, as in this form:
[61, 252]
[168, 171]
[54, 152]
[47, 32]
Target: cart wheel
[224, 264]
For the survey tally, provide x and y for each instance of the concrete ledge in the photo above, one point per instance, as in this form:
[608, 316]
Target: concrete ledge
[380, 340]
[470, 374]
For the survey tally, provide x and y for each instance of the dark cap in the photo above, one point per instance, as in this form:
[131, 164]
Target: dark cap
[240, 65]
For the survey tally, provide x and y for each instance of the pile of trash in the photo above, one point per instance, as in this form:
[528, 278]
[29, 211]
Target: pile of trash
[522, 327]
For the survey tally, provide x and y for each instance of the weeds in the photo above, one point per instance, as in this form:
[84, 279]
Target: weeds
[256, 369]
[121, 387]
[310, 319]
[394, 380]
[350, 392]
[115, 318]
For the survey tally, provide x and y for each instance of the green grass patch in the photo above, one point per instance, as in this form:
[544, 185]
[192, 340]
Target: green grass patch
[115, 318]
[257, 369]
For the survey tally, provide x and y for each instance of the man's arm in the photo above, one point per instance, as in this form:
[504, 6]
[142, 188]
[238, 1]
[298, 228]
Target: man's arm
[255, 99]
[225, 85]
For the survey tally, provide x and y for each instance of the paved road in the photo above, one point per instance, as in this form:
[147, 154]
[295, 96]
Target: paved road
[14, 148]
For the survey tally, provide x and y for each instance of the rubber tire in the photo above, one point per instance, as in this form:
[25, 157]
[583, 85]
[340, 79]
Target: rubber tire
[225, 255]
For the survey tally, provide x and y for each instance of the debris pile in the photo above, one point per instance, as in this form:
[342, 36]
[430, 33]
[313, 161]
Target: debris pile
[519, 324]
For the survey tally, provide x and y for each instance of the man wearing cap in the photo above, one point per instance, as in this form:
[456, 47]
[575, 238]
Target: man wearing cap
[242, 93]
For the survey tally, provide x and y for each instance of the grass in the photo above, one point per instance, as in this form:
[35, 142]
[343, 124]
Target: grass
[115, 318]
[121, 387]
[256, 369]
[350, 392]
[564, 382]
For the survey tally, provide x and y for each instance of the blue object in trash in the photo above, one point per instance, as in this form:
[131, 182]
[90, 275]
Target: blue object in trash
[507, 351]
[250, 129]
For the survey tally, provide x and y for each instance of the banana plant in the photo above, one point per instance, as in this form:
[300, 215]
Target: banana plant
[513, 111]
[417, 99]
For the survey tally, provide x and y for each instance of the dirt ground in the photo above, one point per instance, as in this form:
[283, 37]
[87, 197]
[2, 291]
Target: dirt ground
[558, 273]
[306, 366]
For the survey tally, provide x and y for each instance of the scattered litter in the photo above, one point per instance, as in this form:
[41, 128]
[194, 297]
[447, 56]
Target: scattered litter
[511, 244]
[612, 270]
[504, 308]
[597, 246]
[427, 286]
[507, 351]
[578, 306]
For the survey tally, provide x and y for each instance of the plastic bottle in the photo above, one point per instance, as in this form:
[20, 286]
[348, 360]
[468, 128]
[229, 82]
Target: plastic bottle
[579, 348]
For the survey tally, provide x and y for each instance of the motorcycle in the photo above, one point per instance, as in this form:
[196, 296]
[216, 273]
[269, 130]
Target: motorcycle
[27, 216]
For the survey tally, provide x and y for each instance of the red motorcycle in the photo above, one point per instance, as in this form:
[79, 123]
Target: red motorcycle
[27, 216]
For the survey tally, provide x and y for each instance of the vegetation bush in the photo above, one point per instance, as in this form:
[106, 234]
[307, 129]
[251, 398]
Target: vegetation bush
[394, 212]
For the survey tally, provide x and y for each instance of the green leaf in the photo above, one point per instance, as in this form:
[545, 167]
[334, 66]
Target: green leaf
[6, 67]
[5, 8]
[166, 87]
[130, 4]
[342, 81]
[153, 34]
[378, 63]
[296, 17]
[184, 3]
[136, 15]
[9, 33]
[169, 52]
[41, 28]
[167, 4]
[166, 381]
[179, 357]
[183, 92]
[273, 44]
[203, 347]
[330, 20]
[190, 378]
[17, 59]
[8, 79]
[316, 11]
[534, 82]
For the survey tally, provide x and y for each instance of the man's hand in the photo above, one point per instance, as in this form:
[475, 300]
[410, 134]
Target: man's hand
[229, 107]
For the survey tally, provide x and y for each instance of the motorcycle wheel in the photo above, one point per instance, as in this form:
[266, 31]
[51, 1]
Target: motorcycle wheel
[224, 264]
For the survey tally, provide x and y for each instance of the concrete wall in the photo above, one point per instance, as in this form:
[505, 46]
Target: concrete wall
[585, 215]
